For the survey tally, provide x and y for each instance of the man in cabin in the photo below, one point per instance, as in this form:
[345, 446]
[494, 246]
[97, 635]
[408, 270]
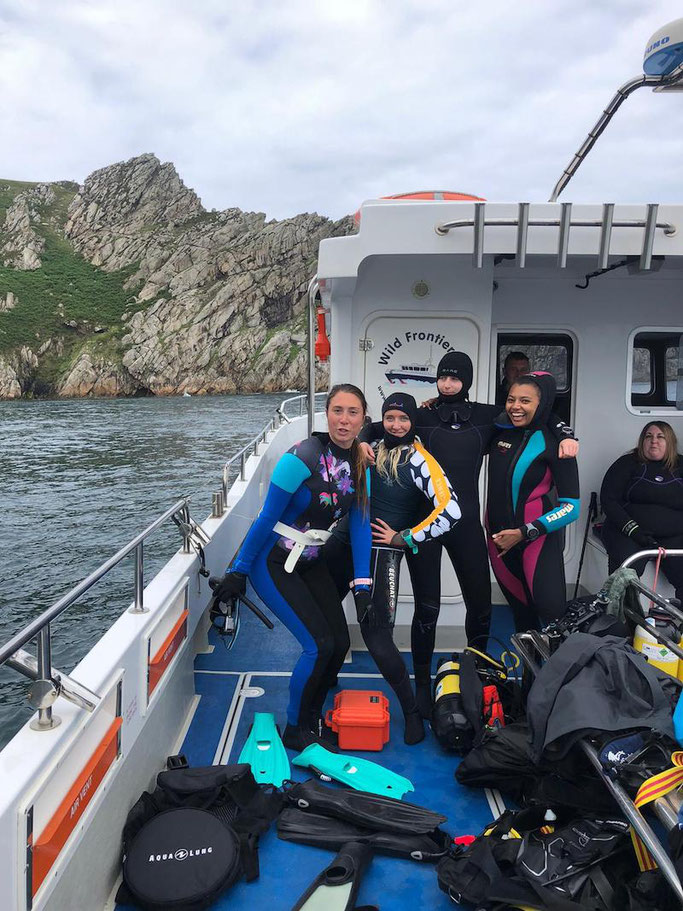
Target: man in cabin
[516, 364]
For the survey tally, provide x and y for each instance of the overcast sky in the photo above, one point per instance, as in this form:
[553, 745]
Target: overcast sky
[286, 106]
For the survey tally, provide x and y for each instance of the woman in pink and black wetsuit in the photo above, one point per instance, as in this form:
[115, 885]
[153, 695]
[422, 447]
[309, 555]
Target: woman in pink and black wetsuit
[524, 468]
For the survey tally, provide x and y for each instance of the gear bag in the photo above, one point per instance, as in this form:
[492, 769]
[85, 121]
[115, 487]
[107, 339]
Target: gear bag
[191, 838]
[522, 860]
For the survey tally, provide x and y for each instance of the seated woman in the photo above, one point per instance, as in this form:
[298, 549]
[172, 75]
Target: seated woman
[402, 476]
[642, 498]
[313, 485]
[524, 469]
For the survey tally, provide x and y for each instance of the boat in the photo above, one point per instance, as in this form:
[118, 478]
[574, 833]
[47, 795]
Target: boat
[482, 276]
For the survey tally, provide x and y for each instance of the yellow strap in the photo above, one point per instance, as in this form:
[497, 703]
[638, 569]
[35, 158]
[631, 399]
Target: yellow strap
[658, 786]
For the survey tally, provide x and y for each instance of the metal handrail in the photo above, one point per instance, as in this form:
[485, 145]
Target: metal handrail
[243, 454]
[47, 683]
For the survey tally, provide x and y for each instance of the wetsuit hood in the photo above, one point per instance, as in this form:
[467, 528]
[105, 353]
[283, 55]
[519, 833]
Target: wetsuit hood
[400, 401]
[545, 382]
[459, 365]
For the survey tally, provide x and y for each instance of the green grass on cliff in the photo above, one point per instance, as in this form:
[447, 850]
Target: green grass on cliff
[65, 289]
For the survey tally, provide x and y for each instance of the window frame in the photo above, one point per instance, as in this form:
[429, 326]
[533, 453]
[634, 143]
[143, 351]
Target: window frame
[650, 403]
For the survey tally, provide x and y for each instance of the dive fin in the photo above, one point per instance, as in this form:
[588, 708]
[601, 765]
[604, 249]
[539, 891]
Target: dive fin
[336, 888]
[304, 828]
[264, 752]
[364, 809]
[360, 774]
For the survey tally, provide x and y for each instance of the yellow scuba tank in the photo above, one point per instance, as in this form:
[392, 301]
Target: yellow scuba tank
[656, 652]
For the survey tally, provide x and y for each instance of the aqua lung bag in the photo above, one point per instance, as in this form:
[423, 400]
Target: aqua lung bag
[194, 836]
[472, 693]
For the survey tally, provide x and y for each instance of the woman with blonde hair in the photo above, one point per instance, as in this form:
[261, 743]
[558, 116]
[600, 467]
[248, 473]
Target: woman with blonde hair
[403, 479]
[642, 498]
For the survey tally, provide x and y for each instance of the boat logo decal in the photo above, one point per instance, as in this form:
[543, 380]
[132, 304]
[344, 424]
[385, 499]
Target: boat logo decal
[417, 366]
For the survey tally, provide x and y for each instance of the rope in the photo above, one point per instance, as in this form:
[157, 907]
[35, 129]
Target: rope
[660, 554]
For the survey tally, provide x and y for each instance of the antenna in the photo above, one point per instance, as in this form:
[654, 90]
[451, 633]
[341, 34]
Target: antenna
[663, 69]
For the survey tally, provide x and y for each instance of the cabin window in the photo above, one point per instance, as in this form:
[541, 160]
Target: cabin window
[545, 351]
[657, 370]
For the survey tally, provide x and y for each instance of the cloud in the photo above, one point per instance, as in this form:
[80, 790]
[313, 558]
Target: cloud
[303, 106]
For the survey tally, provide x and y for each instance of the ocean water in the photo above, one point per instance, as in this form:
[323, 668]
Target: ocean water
[79, 479]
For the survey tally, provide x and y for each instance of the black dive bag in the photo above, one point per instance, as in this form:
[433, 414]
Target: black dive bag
[193, 837]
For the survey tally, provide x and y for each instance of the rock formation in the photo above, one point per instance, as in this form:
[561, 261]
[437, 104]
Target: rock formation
[215, 302]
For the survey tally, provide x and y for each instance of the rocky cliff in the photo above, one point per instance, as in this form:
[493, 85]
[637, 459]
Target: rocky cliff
[128, 286]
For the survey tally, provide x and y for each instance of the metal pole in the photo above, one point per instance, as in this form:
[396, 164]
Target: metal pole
[312, 294]
[44, 690]
[139, 607]
[621, 95]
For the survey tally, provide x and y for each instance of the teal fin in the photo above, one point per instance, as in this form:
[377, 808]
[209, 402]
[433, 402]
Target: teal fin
[336, 888]
[264, 751]
[360, 774]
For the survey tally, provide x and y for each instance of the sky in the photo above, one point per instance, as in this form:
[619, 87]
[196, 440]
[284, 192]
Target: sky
[289, 106]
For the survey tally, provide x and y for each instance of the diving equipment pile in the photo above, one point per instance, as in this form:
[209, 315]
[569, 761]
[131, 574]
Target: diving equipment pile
[327, 817]
[357, 773]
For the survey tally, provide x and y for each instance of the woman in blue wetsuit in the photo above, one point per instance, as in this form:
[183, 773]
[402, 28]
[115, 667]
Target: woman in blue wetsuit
[312, 486]
[524, 470]
[403, 479]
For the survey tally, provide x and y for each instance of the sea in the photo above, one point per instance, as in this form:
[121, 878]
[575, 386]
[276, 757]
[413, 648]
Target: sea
[78, 480]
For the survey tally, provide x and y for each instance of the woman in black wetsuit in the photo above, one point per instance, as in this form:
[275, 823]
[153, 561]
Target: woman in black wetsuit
[642, 498]
[457, 433]
[314, 484]
[521, 518]
[403, 479]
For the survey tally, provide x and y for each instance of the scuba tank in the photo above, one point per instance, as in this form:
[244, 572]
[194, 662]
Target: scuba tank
[457, 710]
[656, 652]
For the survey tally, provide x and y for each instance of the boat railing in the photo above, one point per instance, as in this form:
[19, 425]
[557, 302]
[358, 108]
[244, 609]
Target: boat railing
[47, 683]
[293, 407]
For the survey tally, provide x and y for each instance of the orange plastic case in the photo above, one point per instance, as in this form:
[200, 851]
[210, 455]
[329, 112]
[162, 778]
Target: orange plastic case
[361, 719]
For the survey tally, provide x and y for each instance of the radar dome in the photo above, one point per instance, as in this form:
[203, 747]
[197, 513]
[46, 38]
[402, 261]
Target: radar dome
[664, 51]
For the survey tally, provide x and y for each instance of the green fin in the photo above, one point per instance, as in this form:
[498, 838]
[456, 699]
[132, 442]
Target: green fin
[336, 888]
[360, 774]
[264, 751]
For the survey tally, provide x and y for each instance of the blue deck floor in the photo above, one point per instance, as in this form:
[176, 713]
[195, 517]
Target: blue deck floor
[261, 661]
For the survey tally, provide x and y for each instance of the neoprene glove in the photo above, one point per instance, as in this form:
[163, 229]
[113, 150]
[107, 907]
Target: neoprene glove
[642, 538]
[232, 585]
[363, 601]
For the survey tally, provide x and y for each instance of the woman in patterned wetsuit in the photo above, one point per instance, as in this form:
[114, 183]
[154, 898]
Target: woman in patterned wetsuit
[403, 479]
[313, 485]
[521, 518]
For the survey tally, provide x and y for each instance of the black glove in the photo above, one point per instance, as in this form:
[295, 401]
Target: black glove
[642, 538]
[232, 585]
[363, 600]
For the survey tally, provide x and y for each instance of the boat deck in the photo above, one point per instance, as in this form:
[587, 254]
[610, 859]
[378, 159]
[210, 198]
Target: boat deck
[229, 696]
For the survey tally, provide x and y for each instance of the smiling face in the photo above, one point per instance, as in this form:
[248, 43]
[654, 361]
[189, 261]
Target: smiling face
[522, 403]
[654, 444]
[449, 385]
[396, 422]
[345, 415]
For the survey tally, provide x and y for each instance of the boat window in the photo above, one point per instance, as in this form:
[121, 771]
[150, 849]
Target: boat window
[641, 375]
[546, 351]
[657, 370]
